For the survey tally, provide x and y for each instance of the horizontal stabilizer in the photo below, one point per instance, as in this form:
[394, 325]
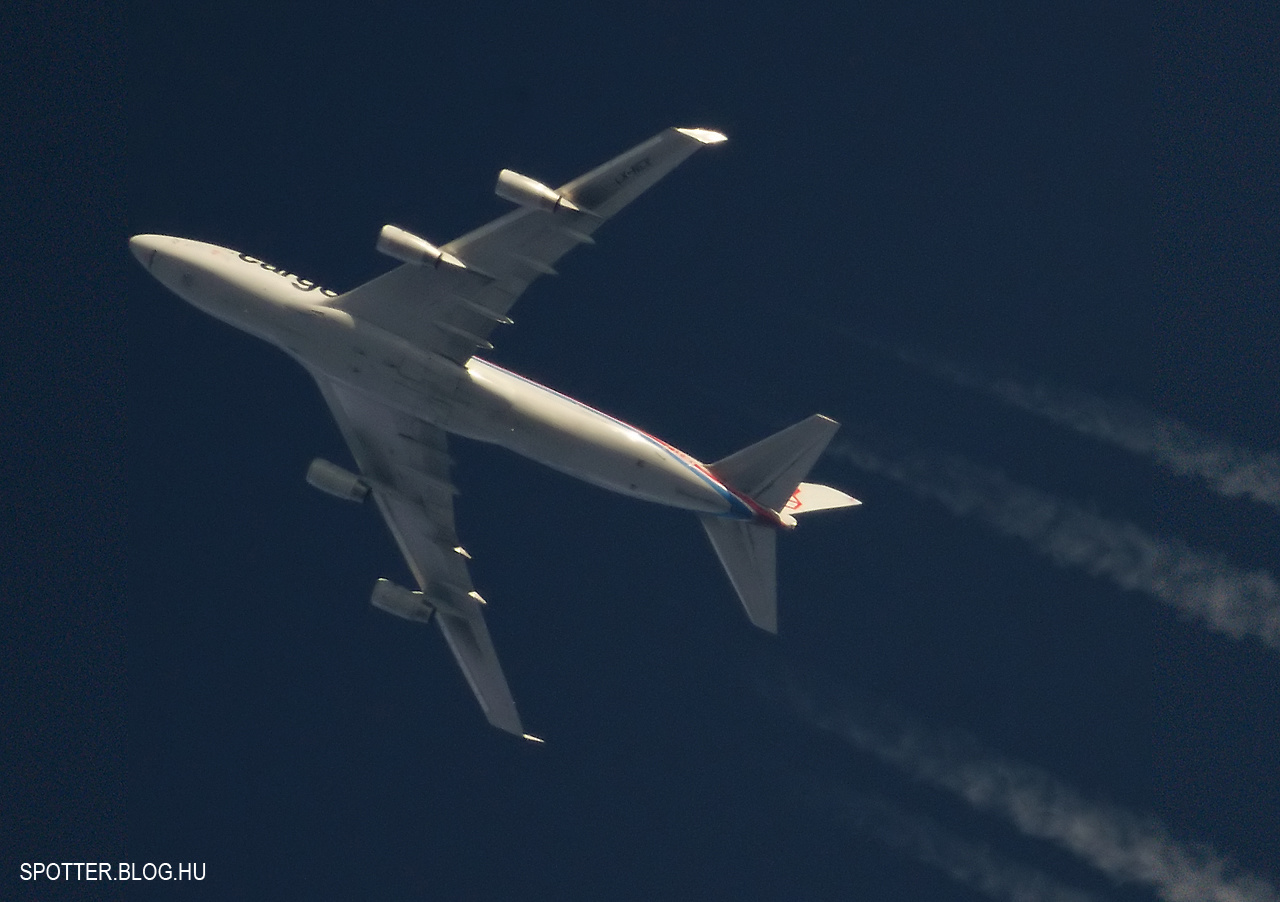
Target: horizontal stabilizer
[770, 470]
[748, 553]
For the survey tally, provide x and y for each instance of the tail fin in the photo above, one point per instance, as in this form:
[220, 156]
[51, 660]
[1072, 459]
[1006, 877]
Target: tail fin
[747, 552]
[809, 497]
[770, 470]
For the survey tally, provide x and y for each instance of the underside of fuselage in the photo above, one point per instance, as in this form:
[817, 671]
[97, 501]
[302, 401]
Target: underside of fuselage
[480, 400]
[574, 438]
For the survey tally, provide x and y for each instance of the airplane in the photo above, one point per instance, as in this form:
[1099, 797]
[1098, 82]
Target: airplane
[395, 361]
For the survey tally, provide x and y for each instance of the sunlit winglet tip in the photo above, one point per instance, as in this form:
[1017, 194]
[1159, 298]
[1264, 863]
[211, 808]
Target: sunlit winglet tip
[705, 135]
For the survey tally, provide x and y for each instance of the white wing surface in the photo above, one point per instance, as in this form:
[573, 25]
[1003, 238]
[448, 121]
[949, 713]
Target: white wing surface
[451, 310]
[407, 465]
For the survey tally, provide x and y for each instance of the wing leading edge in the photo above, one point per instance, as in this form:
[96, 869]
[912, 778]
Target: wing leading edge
[407, 465]
[452, 310]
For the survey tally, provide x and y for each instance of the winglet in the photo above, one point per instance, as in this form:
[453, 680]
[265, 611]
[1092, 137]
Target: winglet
[705, 135]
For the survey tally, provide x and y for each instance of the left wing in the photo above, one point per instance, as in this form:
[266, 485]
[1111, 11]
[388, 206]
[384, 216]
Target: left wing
[451, 309]
[407, 465]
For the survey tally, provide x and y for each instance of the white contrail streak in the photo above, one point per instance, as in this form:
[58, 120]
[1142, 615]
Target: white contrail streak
[1199, 584]
[1126, 847]
[967, 863]
[1231, 470]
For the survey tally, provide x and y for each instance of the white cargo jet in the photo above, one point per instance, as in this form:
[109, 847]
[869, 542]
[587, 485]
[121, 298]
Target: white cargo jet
[394, 359]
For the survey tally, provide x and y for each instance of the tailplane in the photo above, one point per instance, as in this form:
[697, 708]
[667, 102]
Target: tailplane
[770, 470]
[748, 553]
[770, 473]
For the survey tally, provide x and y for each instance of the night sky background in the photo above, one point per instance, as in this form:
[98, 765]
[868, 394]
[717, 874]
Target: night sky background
[918, 204]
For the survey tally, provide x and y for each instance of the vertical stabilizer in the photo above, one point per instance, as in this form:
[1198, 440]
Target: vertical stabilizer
[748, 553]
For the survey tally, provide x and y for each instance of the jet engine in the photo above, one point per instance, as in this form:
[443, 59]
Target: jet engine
[522, 190]
[440, 596]
[409, 248]
[398, 600]
[334, 480]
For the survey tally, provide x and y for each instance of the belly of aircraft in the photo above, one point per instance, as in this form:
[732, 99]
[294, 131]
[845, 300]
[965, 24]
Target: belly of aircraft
[492, 405]
[573, 438]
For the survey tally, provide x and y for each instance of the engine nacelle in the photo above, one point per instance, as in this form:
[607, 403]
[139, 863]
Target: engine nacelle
[409, 248]
[334, 480]
[440, 596]
[522, 190]
[398, 600]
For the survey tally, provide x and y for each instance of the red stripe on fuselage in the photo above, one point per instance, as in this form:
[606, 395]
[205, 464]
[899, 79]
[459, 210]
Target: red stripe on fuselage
[759, 513]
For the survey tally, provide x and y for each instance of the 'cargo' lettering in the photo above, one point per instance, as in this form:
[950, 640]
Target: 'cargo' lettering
[296, 280]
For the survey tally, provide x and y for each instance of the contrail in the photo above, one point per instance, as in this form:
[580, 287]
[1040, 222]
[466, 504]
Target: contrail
[1126, 847]
[1231, 470]
[967, 863]
[1200, 584]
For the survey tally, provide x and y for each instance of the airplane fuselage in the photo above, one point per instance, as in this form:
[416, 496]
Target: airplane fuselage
[478, 400]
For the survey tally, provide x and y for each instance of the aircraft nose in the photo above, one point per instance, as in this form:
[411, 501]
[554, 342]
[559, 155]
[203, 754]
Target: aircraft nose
[144, 247]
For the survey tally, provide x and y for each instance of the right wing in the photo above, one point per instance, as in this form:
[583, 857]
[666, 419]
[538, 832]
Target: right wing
[451, 311]
[407, 464]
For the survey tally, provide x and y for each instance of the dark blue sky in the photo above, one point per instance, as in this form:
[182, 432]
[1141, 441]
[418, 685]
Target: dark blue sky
[1083, 199]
